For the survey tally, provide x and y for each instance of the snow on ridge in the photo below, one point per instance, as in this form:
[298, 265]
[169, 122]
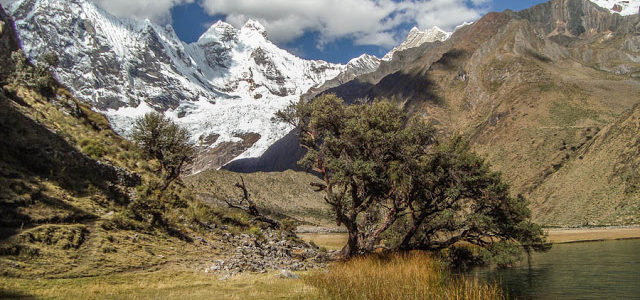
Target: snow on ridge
[622, 7]
[230, 82]
[417, 37]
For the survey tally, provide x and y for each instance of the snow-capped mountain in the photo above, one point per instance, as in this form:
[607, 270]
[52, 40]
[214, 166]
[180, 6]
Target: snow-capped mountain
[418, 37]
[622, 7]
[224, 88]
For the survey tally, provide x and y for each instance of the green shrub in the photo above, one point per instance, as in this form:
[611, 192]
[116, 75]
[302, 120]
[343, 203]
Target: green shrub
[255, 231]
[92, 148]
[505, 254]
[464, 256]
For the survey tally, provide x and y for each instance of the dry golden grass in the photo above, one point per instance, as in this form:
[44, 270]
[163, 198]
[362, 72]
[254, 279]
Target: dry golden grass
[331, 241]
[164, 284]
[414, 275]
[400, 276]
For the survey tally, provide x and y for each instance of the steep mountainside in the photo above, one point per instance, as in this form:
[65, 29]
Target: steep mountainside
[78, 200]
[225, 87]
[67, 183]
[535, 90]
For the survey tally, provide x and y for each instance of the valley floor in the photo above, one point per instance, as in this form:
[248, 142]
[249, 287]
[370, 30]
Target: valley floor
[172, 283]
[179, 282]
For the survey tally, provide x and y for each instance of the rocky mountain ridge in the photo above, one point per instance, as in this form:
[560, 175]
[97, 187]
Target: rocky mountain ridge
[417, 37]
[224, 88]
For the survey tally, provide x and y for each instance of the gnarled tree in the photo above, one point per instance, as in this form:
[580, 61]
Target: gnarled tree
[386, 177]
[161, 139]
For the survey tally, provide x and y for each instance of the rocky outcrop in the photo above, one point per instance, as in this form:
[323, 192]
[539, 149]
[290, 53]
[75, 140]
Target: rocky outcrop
[271, 250]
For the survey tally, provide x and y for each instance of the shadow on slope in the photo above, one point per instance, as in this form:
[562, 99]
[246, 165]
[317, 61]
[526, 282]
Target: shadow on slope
[29, 153]
[281, 156]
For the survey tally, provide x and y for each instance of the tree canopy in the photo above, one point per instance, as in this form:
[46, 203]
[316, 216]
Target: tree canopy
[161, 139]
[388, 179]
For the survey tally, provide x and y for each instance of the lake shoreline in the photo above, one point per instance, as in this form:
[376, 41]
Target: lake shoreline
[592, 234]
[335, 237]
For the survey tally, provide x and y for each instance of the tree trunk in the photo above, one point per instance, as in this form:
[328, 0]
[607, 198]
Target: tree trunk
[404, 245]
[351, 248]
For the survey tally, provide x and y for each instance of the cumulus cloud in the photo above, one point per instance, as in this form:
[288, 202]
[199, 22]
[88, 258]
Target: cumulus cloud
[366, 22]
[158, 11]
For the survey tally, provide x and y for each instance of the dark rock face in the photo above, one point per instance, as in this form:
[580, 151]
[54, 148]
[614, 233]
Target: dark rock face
[8, 43]
[281, 156]
[213, 158]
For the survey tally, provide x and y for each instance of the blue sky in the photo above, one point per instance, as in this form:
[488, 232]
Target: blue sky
[331, 30]
[190, 20]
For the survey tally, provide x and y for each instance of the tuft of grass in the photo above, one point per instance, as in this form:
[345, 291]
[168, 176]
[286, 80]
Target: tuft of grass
[414, 275]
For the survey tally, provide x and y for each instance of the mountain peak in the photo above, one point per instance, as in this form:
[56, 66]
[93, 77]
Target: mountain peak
[253, 25]
[219, 30]
[364, 58]
[417, 37]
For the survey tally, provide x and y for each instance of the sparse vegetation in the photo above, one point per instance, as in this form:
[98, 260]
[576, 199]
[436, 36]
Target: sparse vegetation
[38, 77]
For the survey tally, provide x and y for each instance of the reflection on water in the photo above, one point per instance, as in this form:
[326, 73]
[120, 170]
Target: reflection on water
[594, 270]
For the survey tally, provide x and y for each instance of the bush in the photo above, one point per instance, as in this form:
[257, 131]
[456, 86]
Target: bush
[465, 256]
[255, 231]
[39, 77]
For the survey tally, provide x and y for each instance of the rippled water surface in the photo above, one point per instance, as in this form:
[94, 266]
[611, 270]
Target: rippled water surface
[593, 270]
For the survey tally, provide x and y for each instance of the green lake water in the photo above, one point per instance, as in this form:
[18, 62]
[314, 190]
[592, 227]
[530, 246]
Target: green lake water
[592, 270]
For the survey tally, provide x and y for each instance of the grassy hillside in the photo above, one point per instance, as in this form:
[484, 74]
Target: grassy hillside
[281, 194]
[68, 214]
[534, 90]
[601, 179]
[76, 199]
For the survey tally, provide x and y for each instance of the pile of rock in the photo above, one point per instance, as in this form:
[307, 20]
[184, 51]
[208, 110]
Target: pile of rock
[271, 250]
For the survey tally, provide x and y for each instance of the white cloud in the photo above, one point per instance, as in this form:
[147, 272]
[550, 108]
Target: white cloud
[366, 22]
[158, 11]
